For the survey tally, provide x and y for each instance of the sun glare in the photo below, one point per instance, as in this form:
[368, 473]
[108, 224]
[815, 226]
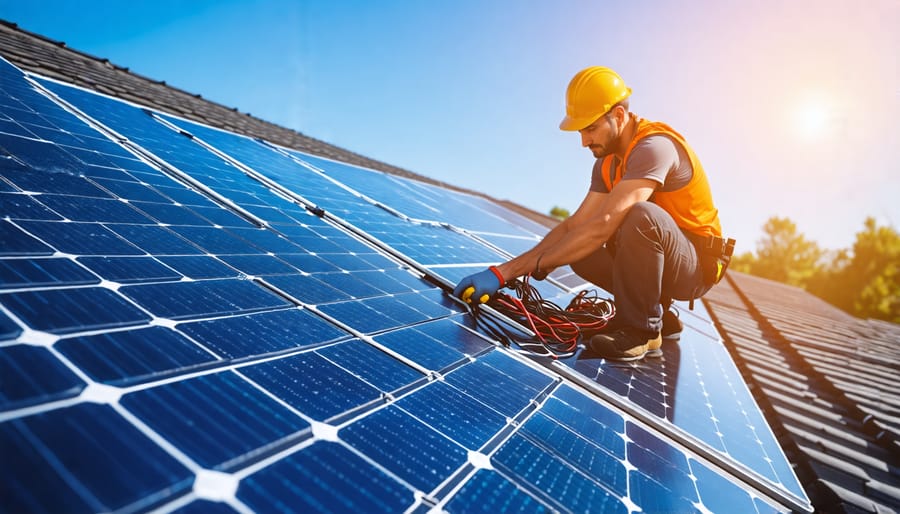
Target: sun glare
[813, 118]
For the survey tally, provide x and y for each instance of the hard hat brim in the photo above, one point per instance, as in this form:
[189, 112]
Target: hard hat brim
[572, 124]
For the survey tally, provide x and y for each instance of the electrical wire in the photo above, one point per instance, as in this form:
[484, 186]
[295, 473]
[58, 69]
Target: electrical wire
[557, 331]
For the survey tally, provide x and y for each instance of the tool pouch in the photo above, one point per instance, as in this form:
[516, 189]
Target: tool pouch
[715, 255]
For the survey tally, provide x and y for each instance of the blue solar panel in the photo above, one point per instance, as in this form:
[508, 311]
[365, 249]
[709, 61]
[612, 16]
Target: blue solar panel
[33, 375]
[43, 272]
[73, 309]
[220, 421]
[128, 357]
[185, 300]
[488, 492]
[261, 333]
[87, 458]
[18, 242]
[697, 387]
[206, 344]
[129, 269]
[372, 365]
[316, 479]
[313, 385]
[406, 446]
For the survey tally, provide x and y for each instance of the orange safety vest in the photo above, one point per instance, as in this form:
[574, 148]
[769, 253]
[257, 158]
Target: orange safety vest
[690, 206]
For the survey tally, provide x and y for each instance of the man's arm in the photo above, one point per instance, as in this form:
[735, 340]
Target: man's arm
[479, 287]
[592, 225]
[589, 206]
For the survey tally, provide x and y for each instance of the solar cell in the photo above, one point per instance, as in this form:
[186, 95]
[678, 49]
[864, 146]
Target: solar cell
[128, 357]
[78, 238]
[8, 328]
[199, 267]
[33, 375]
[23, 206]
[488, 492]
[566, 487]
[126, 471]
[129, 269]
[313, 385]
[407, 447]
[219, 420]
[315, 480]
[257, 334]
[26, 272]
[460, 417]
[18, 242]
[589, 457]
[372, 365]
[74, 310]
[186, 300]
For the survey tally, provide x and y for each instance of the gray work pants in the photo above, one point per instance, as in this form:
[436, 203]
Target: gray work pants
[647, 261]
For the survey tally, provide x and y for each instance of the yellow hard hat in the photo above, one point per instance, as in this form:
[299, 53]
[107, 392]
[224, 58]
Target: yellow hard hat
[592, 93]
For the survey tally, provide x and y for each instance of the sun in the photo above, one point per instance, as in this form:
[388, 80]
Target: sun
[813, 117]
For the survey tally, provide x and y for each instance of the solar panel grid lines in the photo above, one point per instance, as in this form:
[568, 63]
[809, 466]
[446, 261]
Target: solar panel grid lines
[140, 153]
[159, 157]
[316, 324]
[699, 443]
[433, 205]
[278, 189]
[247, 154]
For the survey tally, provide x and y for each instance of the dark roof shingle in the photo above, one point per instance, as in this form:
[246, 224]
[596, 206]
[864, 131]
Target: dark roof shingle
[828, 384]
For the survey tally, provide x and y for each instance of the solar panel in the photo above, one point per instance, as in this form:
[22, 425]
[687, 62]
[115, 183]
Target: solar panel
[180, 314]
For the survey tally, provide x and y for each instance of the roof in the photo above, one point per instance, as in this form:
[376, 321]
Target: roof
[828, 383]
[825, 381]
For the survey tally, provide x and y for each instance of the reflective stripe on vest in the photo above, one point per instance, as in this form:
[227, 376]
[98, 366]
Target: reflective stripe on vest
[691, 206]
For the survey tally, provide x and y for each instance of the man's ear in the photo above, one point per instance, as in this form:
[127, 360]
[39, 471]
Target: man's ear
[620, 113]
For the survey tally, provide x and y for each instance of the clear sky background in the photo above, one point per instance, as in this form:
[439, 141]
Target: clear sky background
[792, 106]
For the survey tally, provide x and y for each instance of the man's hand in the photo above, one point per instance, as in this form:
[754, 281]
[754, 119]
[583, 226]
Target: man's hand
[480, 286]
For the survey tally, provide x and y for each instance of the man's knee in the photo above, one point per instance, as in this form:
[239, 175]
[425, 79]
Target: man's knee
[644, 215]
[595, 268]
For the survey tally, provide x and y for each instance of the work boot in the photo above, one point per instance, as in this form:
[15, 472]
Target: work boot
[626, 344]
[671, 325]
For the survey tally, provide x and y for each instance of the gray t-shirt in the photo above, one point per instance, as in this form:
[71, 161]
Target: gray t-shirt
[658, 158]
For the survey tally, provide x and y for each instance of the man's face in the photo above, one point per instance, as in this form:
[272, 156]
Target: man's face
[600, 136]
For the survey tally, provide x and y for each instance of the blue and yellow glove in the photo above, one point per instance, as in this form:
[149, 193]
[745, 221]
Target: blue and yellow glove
[480, 286]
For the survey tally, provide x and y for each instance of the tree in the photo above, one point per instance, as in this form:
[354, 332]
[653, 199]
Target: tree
[784, 254]
[866, 283]
[559, 213]
[743, 262]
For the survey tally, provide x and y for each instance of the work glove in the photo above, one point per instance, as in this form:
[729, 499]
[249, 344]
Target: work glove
[480, 286]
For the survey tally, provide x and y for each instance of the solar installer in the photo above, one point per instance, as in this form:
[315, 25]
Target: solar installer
[647, 231]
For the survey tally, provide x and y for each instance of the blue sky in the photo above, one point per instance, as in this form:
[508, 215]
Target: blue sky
[791, 105]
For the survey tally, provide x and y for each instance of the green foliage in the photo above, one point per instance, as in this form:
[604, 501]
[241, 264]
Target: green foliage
[784, 254]
[743, 262]
[864, 280]
[559, 213]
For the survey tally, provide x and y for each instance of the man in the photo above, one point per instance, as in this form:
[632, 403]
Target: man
[647, 231]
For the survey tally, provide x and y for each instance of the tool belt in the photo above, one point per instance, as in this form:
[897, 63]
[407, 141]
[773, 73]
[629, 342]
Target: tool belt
[715, 255]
